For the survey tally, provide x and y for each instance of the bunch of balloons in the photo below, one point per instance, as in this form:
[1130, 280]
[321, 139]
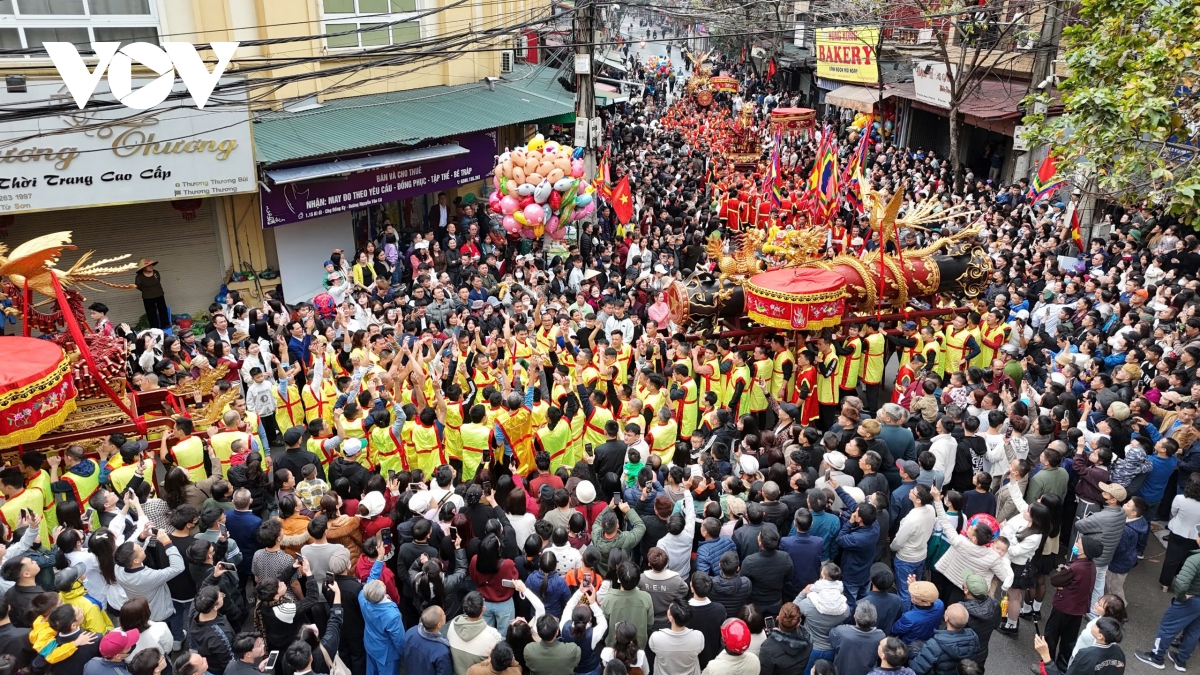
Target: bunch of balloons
[540, 188]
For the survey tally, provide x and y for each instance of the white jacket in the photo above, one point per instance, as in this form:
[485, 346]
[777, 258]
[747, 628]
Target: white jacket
[912, 538]
[152, 584]
[944, 448]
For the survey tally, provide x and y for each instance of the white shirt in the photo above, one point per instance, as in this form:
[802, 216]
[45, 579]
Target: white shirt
[944, 449]
[443, 214]
[625, 325]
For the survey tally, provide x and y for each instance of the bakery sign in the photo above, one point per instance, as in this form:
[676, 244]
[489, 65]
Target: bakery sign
[86, 158]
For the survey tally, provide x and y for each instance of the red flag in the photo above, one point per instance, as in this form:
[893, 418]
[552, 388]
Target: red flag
[622, 200]
[743, 54]
[1072, 217]
[771, 69]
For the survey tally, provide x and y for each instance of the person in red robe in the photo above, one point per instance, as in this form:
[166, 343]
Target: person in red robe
[806, 387]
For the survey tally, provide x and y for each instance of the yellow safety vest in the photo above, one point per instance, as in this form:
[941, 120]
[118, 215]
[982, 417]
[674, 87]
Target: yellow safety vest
[387, 451]
[518, 431]
[849, 365]
[742, 374]
[712, 382]
[763, 372]
[83, 486]
[687, 409]
[453, 430]
[427, 441]
[932, 351]
[987, 353]
[777, 381]
[726, 390]
[222, 445]
[289, 413]
[547, 340]
[317, 447]
[49, 515]
[955, 349]
[120, 477]
[189, 454]
[873, 366]
[539, 414]
[476, 439]
[662, 440]
[593, 431]
[653, 402]
[356, 428]
[907, 353]
[578, 427]
[318, 403]
[826, 387]
[624, 354]
[29, 499]
[686, 363]
[555, 441]
[984, 358]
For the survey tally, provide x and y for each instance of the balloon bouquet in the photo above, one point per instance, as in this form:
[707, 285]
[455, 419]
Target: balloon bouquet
[540, 189]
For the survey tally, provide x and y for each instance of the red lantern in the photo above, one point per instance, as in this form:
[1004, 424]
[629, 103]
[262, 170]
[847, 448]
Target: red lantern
[187, 207]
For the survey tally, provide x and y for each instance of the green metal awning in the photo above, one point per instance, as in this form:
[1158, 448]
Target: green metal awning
[363, 123]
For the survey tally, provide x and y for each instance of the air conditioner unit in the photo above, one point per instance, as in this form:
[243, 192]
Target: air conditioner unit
[508, 59]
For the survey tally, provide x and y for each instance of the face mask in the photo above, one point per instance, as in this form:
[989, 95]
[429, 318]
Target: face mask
[1075, 551]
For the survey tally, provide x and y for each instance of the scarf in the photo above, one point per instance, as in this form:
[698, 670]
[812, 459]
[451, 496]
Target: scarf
[827, 597]
[1134, 464]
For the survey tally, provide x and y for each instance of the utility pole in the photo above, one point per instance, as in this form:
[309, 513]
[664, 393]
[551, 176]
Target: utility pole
[585, 79]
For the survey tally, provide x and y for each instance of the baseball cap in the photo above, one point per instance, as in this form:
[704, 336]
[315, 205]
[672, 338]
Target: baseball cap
[975, 584]
[909, 467]
[1116, 490]
[791, 411]
[116, 641]
[748, 465]
[292, 436]
[910, 325]
[351, 447]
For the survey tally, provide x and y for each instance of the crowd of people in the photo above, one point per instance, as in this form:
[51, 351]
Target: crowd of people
[473, 459]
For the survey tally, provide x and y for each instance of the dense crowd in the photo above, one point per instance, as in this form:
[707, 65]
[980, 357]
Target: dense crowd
[468, 457]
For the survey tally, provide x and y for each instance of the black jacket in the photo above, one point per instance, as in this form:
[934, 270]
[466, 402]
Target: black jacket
[732, 593]
[983, 616]
[294, 459]
[767, 571]
[708, 619]
[211, 639]
[278, 633]
[263, 499]
[352, 471]
[610, 458]
[14, 641]
[784, 653]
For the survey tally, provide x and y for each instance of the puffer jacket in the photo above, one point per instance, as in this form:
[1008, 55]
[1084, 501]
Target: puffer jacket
[1108, 524]
[732, 593]
[941, 654]
[983, 616]
[784, 652]
[918, 623]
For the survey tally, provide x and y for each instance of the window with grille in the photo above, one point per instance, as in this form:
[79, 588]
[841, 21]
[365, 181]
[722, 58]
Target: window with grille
[30, 23]
[367, 24]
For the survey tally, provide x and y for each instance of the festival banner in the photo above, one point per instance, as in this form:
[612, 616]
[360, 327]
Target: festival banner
[848, 54]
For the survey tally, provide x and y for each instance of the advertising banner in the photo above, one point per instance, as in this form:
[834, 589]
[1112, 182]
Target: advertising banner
[848, 54]
[88, 158]
[295, 202]
[931, 84]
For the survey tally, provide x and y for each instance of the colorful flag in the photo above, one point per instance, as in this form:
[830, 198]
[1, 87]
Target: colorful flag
[852, 175]
[1046, 181]
[622, 200]
[824, 180]
[604, 179]
[1072, 217]
[774, 174]
[771, 69]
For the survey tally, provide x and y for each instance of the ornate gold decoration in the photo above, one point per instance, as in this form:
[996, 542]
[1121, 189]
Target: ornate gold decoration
[807, 298]
[33, 262]
[784, 324]
[203, 384]
[974, 279]
[209, 414]
[741, 260]
[91, 414]
[870, 294]
[795, 246]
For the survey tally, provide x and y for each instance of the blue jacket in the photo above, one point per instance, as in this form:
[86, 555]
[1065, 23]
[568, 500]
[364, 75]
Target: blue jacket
[708, 555]
[919, 624]
[857, 544]
[556, 594]
[900, 505]
[384, 631]
[805, 552]
[426, 654]
[243, 528]
[887, 607]
[1133, 540]
[825, 525]
[941, 653]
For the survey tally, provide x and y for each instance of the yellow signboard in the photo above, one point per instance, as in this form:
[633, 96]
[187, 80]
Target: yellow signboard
[848, 54]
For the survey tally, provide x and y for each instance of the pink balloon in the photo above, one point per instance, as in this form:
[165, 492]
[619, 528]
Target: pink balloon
[508, 205]
[577, 214]
[496, 180]
[494, 198]
[587, 210]
[552, 224]
[577, 168]
[527, 232]
[510, 225]
[534, 214]
[557, 235]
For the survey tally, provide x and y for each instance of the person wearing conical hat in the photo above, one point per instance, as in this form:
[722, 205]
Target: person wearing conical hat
[149, 283]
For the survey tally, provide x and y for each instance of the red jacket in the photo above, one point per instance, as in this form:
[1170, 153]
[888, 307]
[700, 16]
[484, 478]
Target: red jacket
[491, 586]
[362, 570]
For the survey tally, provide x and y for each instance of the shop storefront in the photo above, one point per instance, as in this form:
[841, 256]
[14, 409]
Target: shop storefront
[151, 185]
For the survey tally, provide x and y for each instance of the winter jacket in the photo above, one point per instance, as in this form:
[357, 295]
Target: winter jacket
[664, 588]
[857, 651]
[211, 639]
[768, 572]
[1094, 660]
[784, 653]
[98, 666]
[1075, 582]
[818, 625]
[887, 608]
[1187, 582]
[426, 652]
[470, 642]
[384, 631]
[357, 474]
[152, 584]
[1108, 524]
[234, 605]
[805, 552]
[826, 526]
[941, 653]
[708, 555]
[732, 593]
[857, 544]
[1133, 539]
[634, 606]
[363, 569]
[919, 623]
[554, 596]
[983, 616]
[964, 556]
[728, 664]
[625, 539]
[277, 627]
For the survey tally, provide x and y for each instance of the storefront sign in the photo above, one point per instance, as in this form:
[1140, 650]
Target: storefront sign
[848, 54]
[100, 158]
[300, 201]
[931, 83]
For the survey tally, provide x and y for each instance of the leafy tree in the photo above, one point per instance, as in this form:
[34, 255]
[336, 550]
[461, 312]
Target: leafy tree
[1130, 130]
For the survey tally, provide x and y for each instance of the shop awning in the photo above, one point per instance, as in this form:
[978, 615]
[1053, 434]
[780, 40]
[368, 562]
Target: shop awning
[854, 97]
[339, 167]
[612, 61]
[992, 100]
[362, 123]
